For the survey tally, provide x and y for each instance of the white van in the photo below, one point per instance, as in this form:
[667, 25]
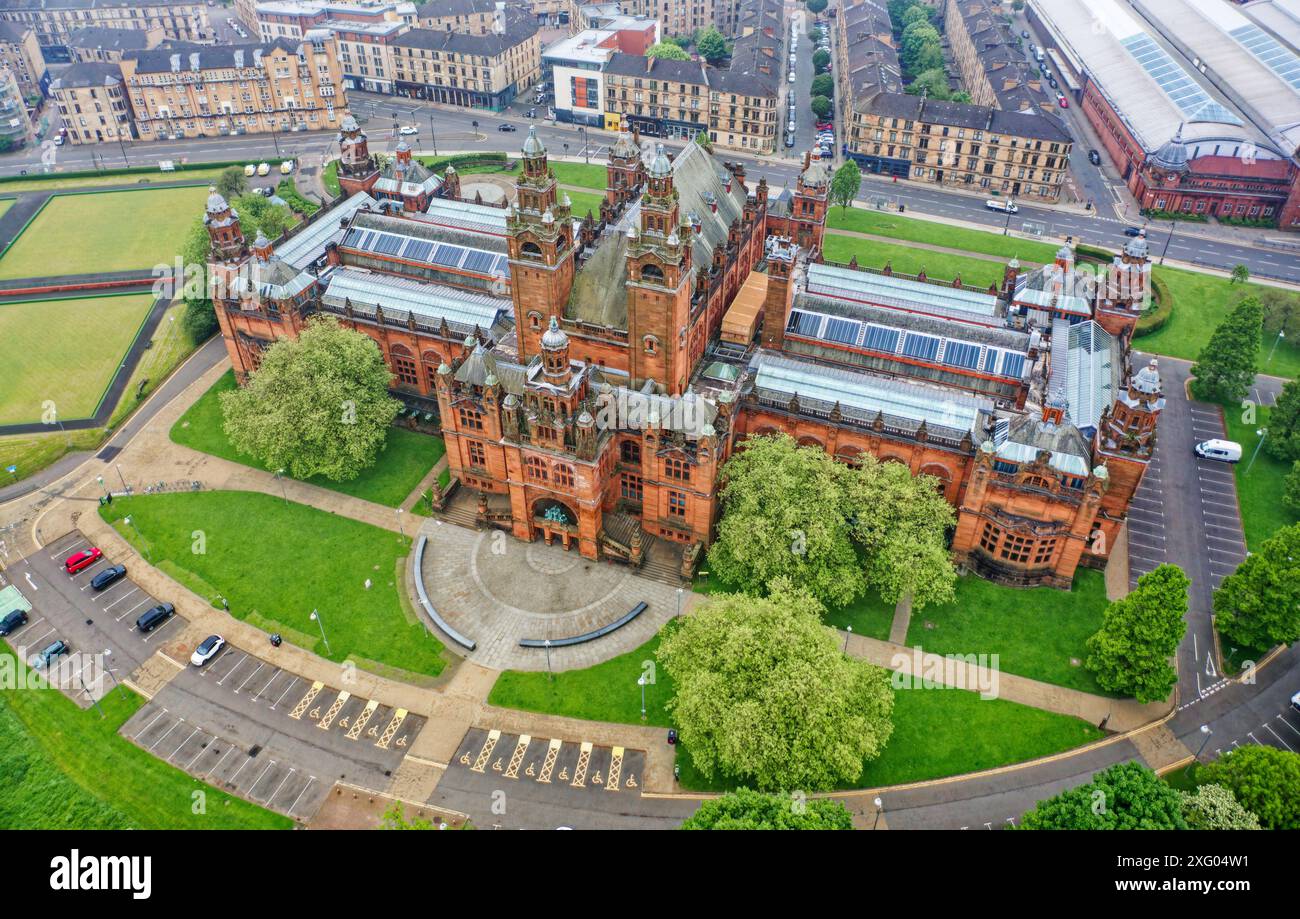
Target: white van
[1225, 451]
[1004, 206]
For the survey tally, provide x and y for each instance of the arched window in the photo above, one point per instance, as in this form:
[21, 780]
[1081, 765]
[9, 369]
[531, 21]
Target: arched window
[535, 469]
[563, 475]
[404, 365]
[532, 250]
[652, 273]
[651, 344]
[630, 452]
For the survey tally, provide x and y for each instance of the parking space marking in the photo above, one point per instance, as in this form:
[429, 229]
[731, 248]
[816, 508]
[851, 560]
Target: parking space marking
[161, 712]
[183, 743]
[580, 770]
[228, 673]
[387, 737]
[288, 689]
[258, 695]
[230, 749]
[489, 743]
[133, 590]
[292, 770]
[517, 757]
[300, 794]
[256, 671]
[146, 602]
[615, 769]
[306, 700]
[178, 723]
[332, 712]
[158, 631]
[231, 780]
[259, 778]
[359, 724]
[1279, 738]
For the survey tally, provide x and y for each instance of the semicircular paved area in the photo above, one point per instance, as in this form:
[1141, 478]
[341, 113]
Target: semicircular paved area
[495, 589]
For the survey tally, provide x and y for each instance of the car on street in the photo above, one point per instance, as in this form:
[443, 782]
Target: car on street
[1132, 231]
[408, 129]
[506, 126]
[109, 576]
[1094, 157]
[1224, 451]
[250, 170]
[155, 617]
[789, 139]
[791, 79]
[286, 167]
[208, 648]
[79, 561]
[1295, 702]
[263, 169]
[1006, 207]
[1062, 102]
[1024, 33]
[42, 659]
[12, 621]
[58, 140]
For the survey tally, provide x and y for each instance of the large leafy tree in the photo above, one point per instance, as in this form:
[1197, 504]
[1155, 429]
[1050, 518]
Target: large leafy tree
[1258, 605]
[1139, 634]
[753, 810]
[710, 43]
[795, 511]
[920, 48]
[1127, 796]
[1213, 807]
[816, 6]
[820, 60]
[1283, 440]
[232, 183]
[764, 693]
[1226, 366]
[667, 51]
[933, 81]
[845, 184]
[823, 85]
[821, 106]
[318, 405]
[1265, 780]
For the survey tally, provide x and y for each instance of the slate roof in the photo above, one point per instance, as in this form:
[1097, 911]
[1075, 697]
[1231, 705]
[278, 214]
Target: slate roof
[85, 75]
[489, 45]
[109, 39]
[188, 57]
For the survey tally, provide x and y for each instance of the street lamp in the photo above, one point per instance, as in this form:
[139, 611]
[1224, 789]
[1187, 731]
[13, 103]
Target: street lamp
[122, 477]
[880, 807]
[400, 529]
[1011, 209]
[1205, 730]
[143, 544]
[1261, 434]
[549, 675]
[100, 480]
[640, 681]
[433, 137]
[848, 632]
[679, 601]
[279, 474]
[586, 149]
[1281, 334]
[315, 615]
[1168, 239]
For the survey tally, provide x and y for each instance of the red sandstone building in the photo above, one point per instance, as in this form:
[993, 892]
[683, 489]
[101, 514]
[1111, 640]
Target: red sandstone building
[588, 396]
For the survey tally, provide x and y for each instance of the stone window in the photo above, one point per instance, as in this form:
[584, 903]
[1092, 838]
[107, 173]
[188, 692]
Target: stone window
[630, 452]
[678, 469]
[536, 469]
[564, 475]
[404, 366]
[677, 504]
[477, 457]
[470, 419]
[630, 486]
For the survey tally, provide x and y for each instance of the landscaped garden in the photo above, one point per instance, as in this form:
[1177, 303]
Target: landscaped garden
[300, 560]
[405, 460]
[67, 768]
[65, 351]
[104, 231]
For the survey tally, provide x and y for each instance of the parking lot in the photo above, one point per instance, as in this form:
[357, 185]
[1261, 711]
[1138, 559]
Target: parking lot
[1225, 545]
[1146, 524]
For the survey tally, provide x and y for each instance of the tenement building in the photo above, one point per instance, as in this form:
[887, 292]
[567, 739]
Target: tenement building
[475, 70]
[591, 376]
[54, 20]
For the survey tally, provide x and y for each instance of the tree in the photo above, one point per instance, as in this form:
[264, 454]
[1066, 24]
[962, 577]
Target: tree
[845, 184]
[820, 60]
[199, 321]
[765, 695]
[1240, 274]
[1139, 634]
[753, 810]
[1258, 605]
[682, 41]
[1283, 440]
[821, 106]
[318, 405]
[1265, 780]
[1213, 807]
[915, 13]
[961, 96]
[816, 6]
[667, 51]
[258, 215]
[1281, 308]
[1291, 494]
[231, 183]
[934, 81]
[710, 43]
[1225, 369]
[1127, 796]
[920, 48]
[395, 819]
[823, 85]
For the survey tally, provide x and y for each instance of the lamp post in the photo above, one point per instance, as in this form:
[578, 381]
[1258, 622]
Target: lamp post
[433, 137]
[100, 480]
[880, 807]
[143, 544]
[1262, 433]
[122, 477]
[400, 529]
[679, 601]
[1168, 239]
[586, 149]
[1281, 334]
[1011, 209]
[315, 615]
[1206, 732]
[640, 681]
[848, 633]
[549, 675]
[279, 474]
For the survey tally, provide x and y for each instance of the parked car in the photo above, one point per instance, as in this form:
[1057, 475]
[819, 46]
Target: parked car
[531, 113]
[263, 169]
[1024, 33]
[110, 575]
[250, 170]
[208, 648]
[1224, 451]
[13, 621]
[1006, 207]
[286, 167]
[789, 139]
[1295, 702]
[1094, 157]
[155, 617]
[506, 126]
[408, 129]
[825, 126]
[1062, 102]
[43, 658]
[58, 140]
[79, 561]
[791, 79]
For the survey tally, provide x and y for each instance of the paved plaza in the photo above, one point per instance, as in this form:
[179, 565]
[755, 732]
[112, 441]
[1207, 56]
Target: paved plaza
[496, 590]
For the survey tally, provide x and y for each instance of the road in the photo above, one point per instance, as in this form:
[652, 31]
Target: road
[443, 130]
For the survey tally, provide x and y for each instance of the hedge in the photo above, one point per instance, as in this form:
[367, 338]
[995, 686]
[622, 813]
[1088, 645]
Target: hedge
[1154, 319]
[439, 163]
[1096, 253]
[1185, 217]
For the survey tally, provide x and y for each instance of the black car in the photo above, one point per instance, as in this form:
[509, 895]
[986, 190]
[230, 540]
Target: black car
[12, 621]
[1132, 231]
[1094, 157]
[1024, 33]
[155, 617]
[42, 660]
[506, 126]
[108, 576]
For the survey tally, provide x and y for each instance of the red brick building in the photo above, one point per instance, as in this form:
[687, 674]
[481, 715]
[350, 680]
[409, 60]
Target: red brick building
[586, 398]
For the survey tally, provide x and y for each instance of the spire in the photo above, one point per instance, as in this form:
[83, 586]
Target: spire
[533, 145]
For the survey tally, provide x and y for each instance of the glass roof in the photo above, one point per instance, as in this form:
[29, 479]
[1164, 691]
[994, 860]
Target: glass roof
[1269, 52]
[1176, 83]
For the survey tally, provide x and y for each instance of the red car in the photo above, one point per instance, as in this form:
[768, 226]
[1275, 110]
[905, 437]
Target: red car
[82, 560]
[825, 126]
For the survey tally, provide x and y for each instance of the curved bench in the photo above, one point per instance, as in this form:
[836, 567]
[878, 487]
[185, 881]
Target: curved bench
[467, 643]
[586, 636]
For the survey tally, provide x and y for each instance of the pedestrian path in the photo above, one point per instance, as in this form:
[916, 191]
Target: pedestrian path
[425, 484]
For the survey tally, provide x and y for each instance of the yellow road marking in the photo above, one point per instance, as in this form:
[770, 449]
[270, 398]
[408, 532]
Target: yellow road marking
[306, 700]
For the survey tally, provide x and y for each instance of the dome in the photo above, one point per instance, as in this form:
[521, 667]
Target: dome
[1065, 252]
[1147, 380]
[585, 418]
[548, 217]
[1137, 246]
[403, 146]
[816, 175]
[471, 342]
[349, 124]
[566, 200]
[674, 239]
[1014, 263]
[661, 166]
[533, 145]
[451, 170]
[444, 368]
[554, 339]
[261, 242]
[216, 203]
[1172, 156]
[624, 147]
[491, 380]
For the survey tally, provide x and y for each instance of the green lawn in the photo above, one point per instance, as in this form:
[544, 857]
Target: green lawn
[5, 204]
[105, 231]
[894, 225]
[330, 178]
[57, 182]
[868, 615]
[1036, 632]
[275, 562]
[46, 360]
[588, 176]
[66, 768]
[906, 260]
[405, 460]
[168, 348]
[1258, 491]
[584, 202]
[33, 452]
[937, 732]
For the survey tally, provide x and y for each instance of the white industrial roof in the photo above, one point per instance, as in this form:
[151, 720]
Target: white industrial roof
[399, 295]
[900, 293]
[305, 247]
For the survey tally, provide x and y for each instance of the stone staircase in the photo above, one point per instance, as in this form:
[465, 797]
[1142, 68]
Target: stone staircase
[663, 562]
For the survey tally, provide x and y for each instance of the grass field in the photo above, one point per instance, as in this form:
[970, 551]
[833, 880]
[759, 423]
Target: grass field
[33, 452]
[106, 231]
[56, 182]
[5, 204]
[1259, 490]
[275, 562]
[66, 768]
[906, 260]
[937, 732]
[584, 202]
[1035, 632]
[588, 176]
[400, 467]
[169, 347]
[65, 351]
[896, 226]
[868, 615]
